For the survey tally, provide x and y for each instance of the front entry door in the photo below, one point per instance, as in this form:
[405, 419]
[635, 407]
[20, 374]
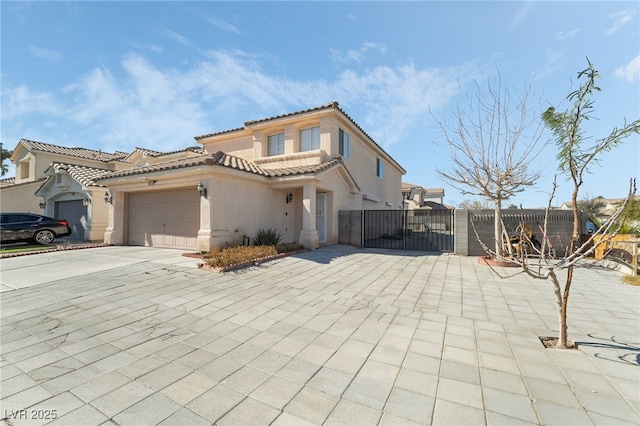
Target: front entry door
[321, 220]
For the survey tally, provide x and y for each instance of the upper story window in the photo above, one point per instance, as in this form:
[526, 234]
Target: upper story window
[310, 139]
[379, 168]
[343, 143]
[275, 144]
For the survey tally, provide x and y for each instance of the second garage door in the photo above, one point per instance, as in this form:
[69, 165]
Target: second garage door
[164, 218]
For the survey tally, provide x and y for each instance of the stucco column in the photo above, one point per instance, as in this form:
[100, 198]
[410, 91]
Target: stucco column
[461, 232]
[309, 234]
[114, 234]
[205, 238]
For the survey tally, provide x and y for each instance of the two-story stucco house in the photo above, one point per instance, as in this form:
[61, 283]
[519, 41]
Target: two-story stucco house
[291, 173]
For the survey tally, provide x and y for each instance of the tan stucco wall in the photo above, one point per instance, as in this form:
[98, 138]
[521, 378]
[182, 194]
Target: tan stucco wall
[242, 206]
[241, 145]
[20, 198]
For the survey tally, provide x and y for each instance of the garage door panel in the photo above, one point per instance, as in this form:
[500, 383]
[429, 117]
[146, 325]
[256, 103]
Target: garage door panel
[164, 219]
[76, 214]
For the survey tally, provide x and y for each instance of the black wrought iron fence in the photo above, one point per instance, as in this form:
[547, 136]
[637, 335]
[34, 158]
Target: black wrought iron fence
[426, 230]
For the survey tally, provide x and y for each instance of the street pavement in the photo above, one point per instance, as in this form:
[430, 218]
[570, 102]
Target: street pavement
[335, 336]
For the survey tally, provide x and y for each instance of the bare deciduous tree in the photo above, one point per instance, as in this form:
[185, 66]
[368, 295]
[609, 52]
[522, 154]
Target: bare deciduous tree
[575, 160]
[492, 145]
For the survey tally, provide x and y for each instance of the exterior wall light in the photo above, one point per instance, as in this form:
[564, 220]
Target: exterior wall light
[202, 190]
[86, 202]
[42, 204]
[108, 198]
[289, 198]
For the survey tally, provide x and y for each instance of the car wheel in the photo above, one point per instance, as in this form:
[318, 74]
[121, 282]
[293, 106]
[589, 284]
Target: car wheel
[44, 236]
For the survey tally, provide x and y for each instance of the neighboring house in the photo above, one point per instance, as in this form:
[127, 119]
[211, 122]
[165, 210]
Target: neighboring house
[60, 182]
[291, 173]
[416, 197]
[609, 206]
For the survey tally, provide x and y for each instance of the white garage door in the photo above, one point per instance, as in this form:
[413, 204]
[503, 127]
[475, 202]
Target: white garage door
[164, 218]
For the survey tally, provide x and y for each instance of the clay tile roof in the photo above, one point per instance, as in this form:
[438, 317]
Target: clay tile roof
[170, 165]
[304, 170]
[407, 186]
[147, 152]
[222, 159]
[208, 135]
[72, 152]
[8, 181]
[432, 205]
[232, 162]
[434, 190]
[150, 153]
[84, 175]
[291, 114]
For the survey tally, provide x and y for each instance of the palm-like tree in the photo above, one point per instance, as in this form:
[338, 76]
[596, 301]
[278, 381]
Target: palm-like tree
[593, 207]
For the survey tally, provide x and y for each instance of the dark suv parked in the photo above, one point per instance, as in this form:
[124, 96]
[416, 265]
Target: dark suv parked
[15, 227]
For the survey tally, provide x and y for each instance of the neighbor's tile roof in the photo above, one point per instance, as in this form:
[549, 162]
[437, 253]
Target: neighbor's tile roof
[169, 165]
[432, 205]
[72, 152]
[150, 153]
[408, 186]
[84, 175]
[222, 159]
[405, 186]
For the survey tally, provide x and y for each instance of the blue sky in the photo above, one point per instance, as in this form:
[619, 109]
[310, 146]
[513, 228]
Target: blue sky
[120, 75]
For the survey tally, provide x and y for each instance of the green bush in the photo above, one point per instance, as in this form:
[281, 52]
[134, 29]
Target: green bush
[267, 237]
[221, 258]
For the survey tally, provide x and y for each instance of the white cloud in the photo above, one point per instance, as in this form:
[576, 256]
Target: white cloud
[180, 39]
[631, 71]
[356, 55]
[522, 12]
[564, 35]
[620, 19]
[46, 54]
[163, 109]
[551, 65]
[220, 24]
[20, 100]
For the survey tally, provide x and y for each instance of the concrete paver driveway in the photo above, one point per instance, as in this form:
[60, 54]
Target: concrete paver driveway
[141, 336]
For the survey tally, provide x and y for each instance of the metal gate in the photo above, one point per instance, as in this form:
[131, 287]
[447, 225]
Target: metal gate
[426, 230]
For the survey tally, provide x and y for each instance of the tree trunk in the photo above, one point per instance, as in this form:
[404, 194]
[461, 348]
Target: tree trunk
[563, 340]
[558, 294]
[497, 226]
